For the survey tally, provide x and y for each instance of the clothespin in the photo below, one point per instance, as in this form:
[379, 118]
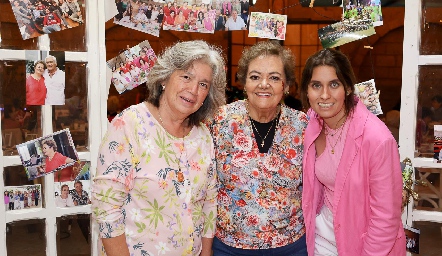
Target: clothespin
[311, 3]
[368, 47]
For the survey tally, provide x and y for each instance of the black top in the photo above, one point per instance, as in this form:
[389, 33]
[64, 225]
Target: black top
[263, 130]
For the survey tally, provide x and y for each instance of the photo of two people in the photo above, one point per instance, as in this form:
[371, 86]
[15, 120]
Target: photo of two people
[45, 78]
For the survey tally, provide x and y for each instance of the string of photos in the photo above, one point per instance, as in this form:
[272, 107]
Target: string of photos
[131, 68]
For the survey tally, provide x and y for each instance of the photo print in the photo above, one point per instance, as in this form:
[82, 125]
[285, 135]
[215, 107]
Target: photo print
[344, 32]
[189, 16]
[267, 25]
[363, 10]
[39, 17]
[22, 197]
[142, 15]
[45, 78]
[234, 14]
[73, 193]
[131, 67]
[48, 154]
[412, 239]
[437, 144]
[366, 91]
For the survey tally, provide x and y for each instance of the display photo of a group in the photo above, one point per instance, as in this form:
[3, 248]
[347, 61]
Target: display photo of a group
[22, 197]
[36, 18]
[48, 154]
[267, 25]
[45, 77]
[70, 193]
[344, 32]
[363, 10]
[131, 67]
[366, 91]
[142, 15]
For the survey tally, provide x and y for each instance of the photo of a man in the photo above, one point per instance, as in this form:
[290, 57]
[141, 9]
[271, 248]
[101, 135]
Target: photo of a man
[55, 82]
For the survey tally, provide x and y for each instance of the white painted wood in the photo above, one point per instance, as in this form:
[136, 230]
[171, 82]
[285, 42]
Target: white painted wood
[430, 60]
[410, 84]
[95, 57]
[427, 216]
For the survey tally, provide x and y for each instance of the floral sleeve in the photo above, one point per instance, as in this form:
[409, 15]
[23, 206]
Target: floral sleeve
[114, 178]
[210, 205]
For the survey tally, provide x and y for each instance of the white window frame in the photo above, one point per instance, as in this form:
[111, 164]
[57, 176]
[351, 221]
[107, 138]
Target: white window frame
[97, 92]
[409, 97]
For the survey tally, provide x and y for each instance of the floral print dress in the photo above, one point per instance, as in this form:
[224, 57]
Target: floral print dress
[158, 190]
[259, 198]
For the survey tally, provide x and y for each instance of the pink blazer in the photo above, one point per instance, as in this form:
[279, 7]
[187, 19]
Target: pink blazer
[368, 188]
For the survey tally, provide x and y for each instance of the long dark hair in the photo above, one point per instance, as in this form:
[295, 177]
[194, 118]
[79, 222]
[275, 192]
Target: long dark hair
[344, 71]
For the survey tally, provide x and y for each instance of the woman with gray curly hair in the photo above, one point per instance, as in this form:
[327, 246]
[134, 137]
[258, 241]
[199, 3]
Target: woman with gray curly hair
[155, 189]
[258, 144]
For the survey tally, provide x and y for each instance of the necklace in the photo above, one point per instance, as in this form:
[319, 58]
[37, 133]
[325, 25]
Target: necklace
[181, 149]
[341, 129]
[336, 130]
[254, 127]
[268, 131]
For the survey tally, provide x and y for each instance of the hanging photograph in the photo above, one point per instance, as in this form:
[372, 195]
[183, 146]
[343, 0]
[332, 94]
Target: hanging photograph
[267, 25]
[344, 32]
[131, 67]
[22, 197]
[36, 18]
[142, 15]
[189, 16]
[45, 78]
[73, 193]
[412, 239]
[234, 12]
[110, 10]
[438, 143]
[48, 154]
[363, 10]
[366, 91]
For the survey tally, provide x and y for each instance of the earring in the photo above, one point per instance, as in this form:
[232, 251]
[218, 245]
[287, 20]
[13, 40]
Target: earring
[348, 93]
[286, 92]
[163, 86]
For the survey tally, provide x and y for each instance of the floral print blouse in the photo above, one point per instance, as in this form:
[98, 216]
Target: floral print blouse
[159, 190]
[259, 197]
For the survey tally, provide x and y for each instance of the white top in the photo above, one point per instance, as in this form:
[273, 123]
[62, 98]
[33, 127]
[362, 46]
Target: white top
[55, 86]
[68, 202]
[235, 25]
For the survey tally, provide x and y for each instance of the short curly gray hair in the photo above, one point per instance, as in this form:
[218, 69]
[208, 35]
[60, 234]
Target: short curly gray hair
[267, 48]
[181, 56]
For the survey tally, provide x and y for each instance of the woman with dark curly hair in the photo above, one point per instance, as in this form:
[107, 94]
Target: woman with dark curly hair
[35, 85]
[258, 144]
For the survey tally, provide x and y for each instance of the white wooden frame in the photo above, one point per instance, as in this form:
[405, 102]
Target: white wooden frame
[410, 84]
[95, 58]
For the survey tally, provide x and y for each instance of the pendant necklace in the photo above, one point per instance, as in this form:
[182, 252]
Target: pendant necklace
[181, 149]
[254, 127]
[328, 130]
[338, 139]
[268, 131]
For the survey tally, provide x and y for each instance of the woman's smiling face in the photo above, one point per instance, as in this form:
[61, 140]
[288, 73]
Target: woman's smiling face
[326, 94]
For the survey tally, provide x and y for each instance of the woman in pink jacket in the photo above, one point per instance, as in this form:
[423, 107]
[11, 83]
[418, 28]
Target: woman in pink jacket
[352, 181]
